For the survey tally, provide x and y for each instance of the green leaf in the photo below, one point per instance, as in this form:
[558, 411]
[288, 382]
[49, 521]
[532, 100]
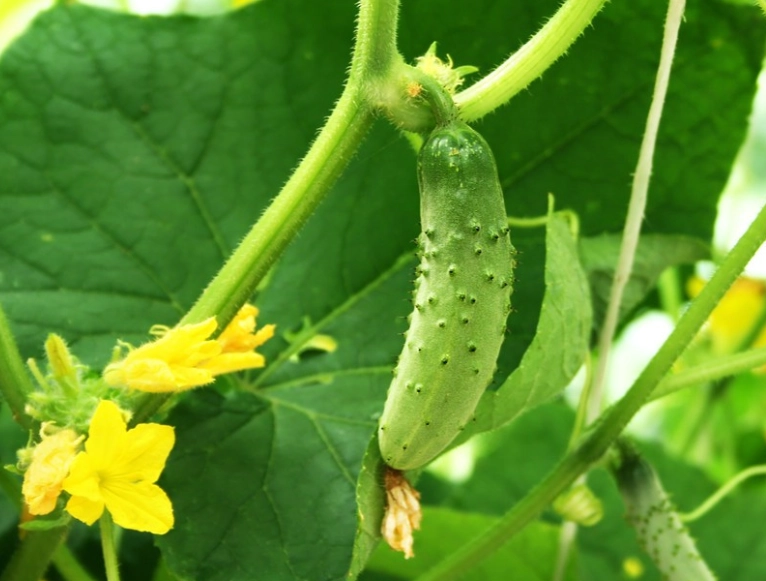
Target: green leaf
[576, 132]
[654, 254]
[264, 486]
[371, 505]
[531, 555]
[136, 152]
[561, 342]
[133, 157]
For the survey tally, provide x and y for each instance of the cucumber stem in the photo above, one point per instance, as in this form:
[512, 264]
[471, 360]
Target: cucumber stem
[15, 382]
[530, 61]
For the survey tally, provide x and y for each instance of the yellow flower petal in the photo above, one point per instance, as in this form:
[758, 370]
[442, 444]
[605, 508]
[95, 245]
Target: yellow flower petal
[735, 314]
[141, 506]
[147, 450]
[117, 471]
[51, 461]
[180, 343]
[155, 376]
[231, 362]
[238, 335]
[106, 434]
[263, 335]
[85, 510]
[184, 357]
[83, 479]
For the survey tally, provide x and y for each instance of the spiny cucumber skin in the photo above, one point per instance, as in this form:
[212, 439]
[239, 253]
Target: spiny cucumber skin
[659, 529]
[462, 299]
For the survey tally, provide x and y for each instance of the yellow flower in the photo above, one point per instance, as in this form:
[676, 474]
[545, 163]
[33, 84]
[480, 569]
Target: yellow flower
[237, 342]
[732, 319]
[51, 459]
[117, 471]
[185, 357]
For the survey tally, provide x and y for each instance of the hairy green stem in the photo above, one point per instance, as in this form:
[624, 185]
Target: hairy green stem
[31, 559]
[326, 159]
[637, 206]
[109, 547]
[14, 380]
[530, 61]
[722, 492]
[714, 370]
[374, 54]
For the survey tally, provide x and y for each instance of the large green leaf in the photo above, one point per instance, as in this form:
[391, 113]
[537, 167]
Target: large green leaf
[264, 486]
[576, 132]
[655, 252]
[133, 157]
[136, 152]
[531, 556]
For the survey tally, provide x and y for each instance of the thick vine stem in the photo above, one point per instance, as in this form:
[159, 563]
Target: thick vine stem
[530, 61]
[606, 430]
[31, 559]
[14, 380]
[374, 54]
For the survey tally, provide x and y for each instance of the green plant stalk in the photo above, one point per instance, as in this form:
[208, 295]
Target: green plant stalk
[700, 417]
[637, 205]
[109, 547]
[63, 558]
[612, 422]
[374, 55]
[721, 493]
[530, 61]
[714, 370]
[68, 566]
[669, 288]
[31, 559]
[14, 380]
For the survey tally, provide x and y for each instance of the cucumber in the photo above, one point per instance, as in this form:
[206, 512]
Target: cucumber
[659, 529]
[462, 299]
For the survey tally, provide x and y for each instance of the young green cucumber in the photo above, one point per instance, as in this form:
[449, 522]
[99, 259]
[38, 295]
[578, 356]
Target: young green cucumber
[462, 299]
[658, 527]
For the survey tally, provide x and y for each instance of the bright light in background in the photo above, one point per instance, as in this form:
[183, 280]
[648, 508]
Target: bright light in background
[16, 15]
[631, 352]
[745, 194]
